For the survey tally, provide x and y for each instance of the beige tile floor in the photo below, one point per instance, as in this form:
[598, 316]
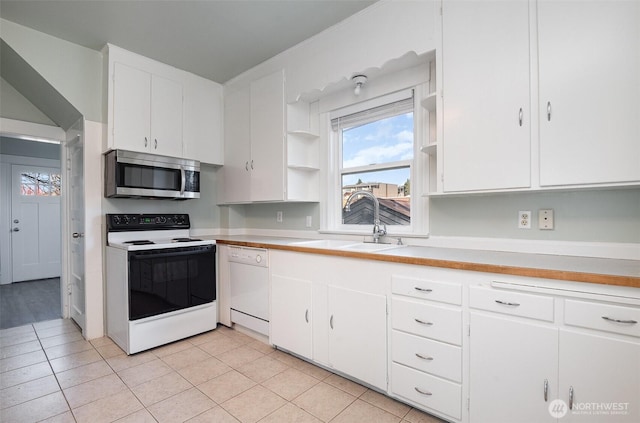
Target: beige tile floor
[48, 372]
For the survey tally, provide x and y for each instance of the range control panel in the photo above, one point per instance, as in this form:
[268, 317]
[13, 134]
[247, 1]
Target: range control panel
[146, 222]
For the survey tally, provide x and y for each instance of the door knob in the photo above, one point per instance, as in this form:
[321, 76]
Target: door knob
[16, 229]
[78, 235]
[16, 221]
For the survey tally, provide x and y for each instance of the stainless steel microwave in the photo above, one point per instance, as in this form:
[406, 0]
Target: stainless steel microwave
[129, 174]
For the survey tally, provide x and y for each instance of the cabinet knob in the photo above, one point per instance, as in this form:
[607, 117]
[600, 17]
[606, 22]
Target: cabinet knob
[146, 141]
[155, 143]
[246, 166]
[251, 164]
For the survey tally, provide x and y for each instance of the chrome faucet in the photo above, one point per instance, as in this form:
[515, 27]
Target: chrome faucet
[377, 231]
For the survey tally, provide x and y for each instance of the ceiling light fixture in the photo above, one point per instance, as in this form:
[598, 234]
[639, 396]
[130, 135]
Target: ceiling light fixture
[359, 80]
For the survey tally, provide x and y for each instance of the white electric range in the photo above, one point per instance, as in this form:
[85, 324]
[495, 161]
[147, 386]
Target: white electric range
[161, 283]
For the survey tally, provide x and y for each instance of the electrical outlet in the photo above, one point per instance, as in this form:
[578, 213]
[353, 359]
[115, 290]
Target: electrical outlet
[545, 219]
[309, 221]
[279, 217]
[524, 219]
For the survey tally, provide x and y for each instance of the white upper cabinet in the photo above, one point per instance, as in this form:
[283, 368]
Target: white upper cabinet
[147, 112]
[131, 108]
[166, 117]
[486, 118]
[237, 146]
[267, 138]
[576, 63]
[203, 113]
[155, 108]
[589, 61]
[254, 168]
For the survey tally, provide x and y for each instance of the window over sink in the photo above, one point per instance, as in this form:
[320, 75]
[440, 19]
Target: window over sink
[373, 149]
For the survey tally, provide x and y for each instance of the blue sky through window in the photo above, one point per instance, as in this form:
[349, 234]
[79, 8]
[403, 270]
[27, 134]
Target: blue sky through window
[383, 141]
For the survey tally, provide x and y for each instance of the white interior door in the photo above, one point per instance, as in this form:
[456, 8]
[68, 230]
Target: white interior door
[35, 223]
[75, 173]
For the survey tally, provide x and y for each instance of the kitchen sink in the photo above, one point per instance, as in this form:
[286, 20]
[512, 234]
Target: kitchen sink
[324, 243]
[369, 247]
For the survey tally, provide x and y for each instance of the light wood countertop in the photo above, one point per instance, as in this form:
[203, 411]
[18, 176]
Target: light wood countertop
[547, 266]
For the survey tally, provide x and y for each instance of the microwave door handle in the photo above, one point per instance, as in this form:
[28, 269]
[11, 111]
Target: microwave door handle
[183, 179]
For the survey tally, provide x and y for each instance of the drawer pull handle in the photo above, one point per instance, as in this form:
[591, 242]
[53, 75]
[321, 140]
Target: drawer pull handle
[417, 288]
[306, 315]
[331, 321]
[420, 391]
[611, 319]
[507, 304]
[422, 322]
[424, 357]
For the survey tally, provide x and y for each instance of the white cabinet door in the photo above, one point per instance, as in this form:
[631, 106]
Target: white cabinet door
[603, 372]
[203, 112]
[131, 108]
[291, 314]
[237, 146]
[147, 112]
[510, 360]
[358, 335]
[166, 117]
[267, 138]
[589, 61]
[486, 119]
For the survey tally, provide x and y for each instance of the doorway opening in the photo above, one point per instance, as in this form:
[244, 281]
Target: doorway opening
[30, 249]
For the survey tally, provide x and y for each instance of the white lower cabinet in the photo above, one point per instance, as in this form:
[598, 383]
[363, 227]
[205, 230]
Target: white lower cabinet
[291, 314]
[358, 335]
[599, 378]
[431, 392]
[581, 366]
[426, 342]
[341, 325]
[511, 363]
[459, 346]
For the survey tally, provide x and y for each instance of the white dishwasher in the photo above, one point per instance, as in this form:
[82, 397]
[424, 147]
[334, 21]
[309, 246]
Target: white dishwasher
[249, 287]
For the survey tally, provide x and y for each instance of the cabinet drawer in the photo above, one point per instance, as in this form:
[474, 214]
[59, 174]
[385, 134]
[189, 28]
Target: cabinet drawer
[513, 303]
[435, 322]
[429, 391]
[605, 317]
[426, 289]
[429, 356]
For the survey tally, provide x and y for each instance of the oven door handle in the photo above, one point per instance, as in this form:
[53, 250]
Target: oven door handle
[160, 253]
[183, 180]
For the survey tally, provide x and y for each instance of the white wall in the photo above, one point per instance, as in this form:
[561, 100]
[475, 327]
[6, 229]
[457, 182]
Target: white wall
[73, 70]
[16, 106]
[385, 31]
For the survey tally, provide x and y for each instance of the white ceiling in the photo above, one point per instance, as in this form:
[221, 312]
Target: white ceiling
[216, 39]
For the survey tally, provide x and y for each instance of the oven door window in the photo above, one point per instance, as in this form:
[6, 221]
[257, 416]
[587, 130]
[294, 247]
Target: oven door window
[166, 280]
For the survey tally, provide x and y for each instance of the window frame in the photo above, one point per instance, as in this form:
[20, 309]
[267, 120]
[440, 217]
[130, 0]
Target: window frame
[417, 166]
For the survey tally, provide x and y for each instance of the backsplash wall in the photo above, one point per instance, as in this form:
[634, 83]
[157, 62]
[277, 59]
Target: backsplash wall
[590, 216]
[611, 215]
